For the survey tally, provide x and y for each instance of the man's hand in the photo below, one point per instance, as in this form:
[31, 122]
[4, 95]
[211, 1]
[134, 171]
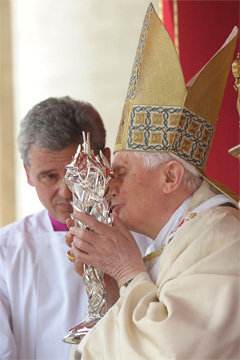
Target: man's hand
[78, 265]
[112, 250]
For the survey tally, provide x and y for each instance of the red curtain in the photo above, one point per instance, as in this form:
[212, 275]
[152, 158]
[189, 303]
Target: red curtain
[200, 28]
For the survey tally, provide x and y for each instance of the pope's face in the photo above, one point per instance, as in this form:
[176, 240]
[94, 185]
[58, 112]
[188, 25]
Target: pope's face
[135, 193]
[47, 176]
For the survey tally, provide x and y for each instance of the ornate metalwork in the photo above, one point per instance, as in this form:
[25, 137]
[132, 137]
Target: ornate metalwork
[87, 178]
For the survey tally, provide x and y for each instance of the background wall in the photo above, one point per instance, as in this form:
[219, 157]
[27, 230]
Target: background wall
[7, 166]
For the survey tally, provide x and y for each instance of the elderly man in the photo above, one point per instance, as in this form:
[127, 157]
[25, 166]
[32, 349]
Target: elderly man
[181, 301]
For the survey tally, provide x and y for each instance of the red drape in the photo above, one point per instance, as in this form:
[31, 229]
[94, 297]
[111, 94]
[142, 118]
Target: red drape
[202, 27]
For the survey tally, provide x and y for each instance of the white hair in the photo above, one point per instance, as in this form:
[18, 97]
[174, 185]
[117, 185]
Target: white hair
[191, 180]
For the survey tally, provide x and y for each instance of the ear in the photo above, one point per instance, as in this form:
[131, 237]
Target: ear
[174, 172]
[29, 178]
[107, 154]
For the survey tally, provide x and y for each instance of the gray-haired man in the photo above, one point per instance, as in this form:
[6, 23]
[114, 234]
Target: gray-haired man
[41, 296]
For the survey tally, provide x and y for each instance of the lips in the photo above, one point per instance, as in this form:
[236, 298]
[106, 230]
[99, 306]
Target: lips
[66, 206]
[115, 207]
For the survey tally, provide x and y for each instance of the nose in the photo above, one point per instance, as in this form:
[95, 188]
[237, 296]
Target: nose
[113, 189]
[64, 190]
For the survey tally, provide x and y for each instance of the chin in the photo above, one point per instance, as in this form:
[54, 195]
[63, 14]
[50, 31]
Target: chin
[63, 217]
[124, 219]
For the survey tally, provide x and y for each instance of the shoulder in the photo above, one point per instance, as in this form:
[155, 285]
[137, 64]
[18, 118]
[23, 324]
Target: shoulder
[212, 228]
[205, 244]
[221, 218]
[35, 223]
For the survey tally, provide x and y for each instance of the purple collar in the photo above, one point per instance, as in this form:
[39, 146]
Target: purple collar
[57, 225]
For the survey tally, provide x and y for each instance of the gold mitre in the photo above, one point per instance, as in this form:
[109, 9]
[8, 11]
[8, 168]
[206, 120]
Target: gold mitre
[161, 113]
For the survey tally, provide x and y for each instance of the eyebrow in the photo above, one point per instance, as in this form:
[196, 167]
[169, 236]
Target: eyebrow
[119, 167]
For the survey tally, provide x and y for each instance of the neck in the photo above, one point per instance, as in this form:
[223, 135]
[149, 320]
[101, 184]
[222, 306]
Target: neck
[170, 205]
[57, 225]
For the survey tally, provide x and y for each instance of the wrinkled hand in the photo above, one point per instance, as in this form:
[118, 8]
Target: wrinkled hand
[112, 250]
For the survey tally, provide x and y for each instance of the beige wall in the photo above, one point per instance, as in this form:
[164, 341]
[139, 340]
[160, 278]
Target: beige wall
[81, 48]
[7, 143]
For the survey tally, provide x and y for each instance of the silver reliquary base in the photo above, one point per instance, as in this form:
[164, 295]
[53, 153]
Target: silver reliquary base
[76, 334]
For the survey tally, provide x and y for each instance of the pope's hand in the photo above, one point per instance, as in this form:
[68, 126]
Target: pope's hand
[112, 250]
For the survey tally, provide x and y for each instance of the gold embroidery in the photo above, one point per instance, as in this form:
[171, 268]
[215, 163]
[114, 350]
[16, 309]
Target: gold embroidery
[153, 254]
[159, 251]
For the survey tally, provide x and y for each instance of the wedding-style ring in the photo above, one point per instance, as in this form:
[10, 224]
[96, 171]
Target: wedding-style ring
[71, 257]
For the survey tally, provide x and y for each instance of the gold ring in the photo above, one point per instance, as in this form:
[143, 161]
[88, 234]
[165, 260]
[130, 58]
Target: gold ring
[71, 257]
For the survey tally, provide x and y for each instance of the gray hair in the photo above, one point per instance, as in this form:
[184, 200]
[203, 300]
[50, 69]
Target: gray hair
[57, 123]
[191, 179]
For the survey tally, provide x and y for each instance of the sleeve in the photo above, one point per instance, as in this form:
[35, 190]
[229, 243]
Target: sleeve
[192, 313]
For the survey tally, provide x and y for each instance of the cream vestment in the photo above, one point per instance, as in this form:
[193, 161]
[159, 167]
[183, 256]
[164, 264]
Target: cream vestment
[192, 312]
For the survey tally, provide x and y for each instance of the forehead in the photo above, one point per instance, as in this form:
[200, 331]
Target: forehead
[121, 158]
[41, 156]
[126, 159]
